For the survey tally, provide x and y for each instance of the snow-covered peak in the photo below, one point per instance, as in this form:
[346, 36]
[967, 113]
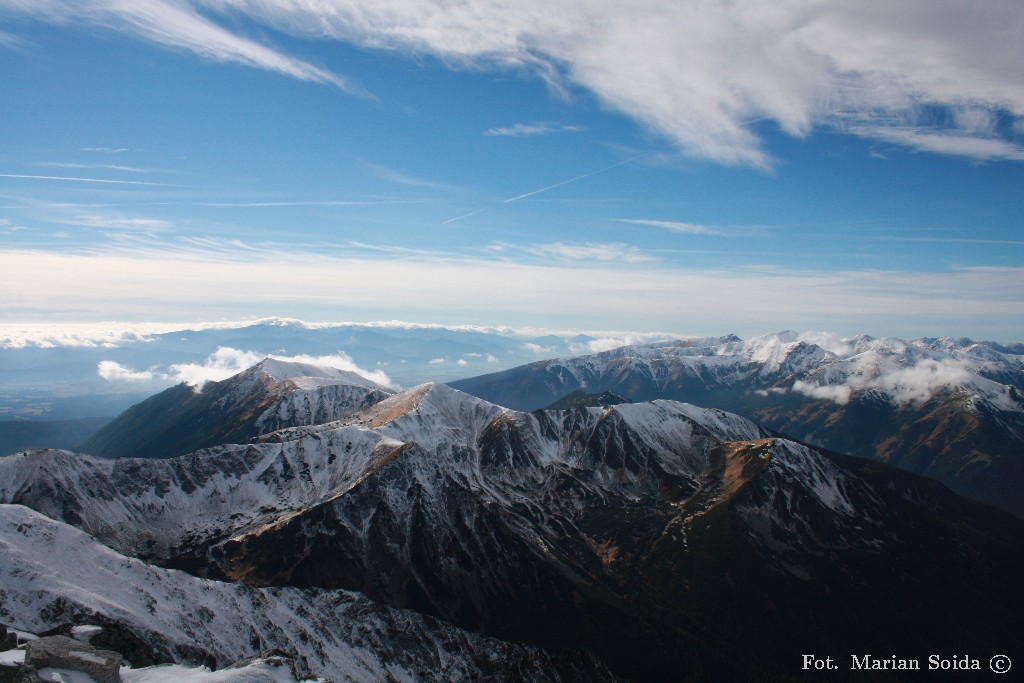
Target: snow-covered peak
[309, 376]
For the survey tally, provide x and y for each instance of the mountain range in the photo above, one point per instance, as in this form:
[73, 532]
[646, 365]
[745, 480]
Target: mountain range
[952, 410]
[62, 374]
[652, 540]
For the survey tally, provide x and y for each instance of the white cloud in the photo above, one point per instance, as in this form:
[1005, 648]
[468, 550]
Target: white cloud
[828, 341]
[132, 284]
[436, 361]
[105, 181]
[109, 167]
[226, 362]
[491, 359]
[699, 73]
[115, 372]
[531, 129]
[537, 348]
[609, 343]
[569, 251]
[85, 335]
[393, 176]
[223, 363]
[947, 142]
[341, 361]
[901, 384]
[178, 25]
[838, 393]
[919, 382]
[463, 362]
[673, 226]
[147, 225]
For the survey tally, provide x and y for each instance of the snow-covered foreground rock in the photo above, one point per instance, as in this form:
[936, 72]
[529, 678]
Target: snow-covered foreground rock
[51, 573]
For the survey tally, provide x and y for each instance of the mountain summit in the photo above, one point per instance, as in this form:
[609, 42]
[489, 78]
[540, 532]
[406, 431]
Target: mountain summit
[272, 394]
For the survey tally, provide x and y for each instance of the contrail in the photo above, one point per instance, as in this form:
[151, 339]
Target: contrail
[573, 180]
[86, 180]
[459, 218]
[551, 187]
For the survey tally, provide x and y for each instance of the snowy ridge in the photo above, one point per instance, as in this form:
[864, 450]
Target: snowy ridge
[818, 365]
[316, 405]
[152, 506]
[913, 372]
[49, 568]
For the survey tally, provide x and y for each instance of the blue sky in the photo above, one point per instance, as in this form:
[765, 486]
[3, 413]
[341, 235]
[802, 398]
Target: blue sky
[690, 167]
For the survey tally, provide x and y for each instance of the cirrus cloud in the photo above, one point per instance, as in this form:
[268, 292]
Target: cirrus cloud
[702, 74]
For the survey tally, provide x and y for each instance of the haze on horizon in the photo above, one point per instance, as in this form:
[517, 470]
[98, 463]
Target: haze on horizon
[691, 167]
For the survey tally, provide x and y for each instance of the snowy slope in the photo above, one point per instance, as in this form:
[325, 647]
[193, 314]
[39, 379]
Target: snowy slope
[51, 573]
[148, 507]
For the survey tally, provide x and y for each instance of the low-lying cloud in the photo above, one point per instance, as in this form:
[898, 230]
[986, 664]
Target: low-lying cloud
[115, 372]
[916, 383]
[226, 362]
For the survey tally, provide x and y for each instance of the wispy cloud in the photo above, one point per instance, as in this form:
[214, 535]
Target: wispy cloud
[899, 382]
[85, 180]
[147, 225]
[10, 40]
[104, 150]
[106, 167]
[955, 142]
[700, 74]
[673, 226]
[179, 25]
[399, 178]
[574, 252]
[123, 282]
[531, 129]
[315, 202]
[7, 226]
